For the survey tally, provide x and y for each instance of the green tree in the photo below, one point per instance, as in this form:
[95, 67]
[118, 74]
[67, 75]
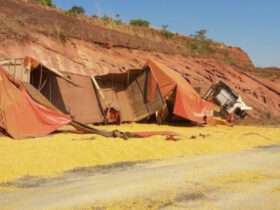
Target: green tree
[76, 10]
[139, 22]
[165, 27]
[118, 16]
[45, 2]
[200, 35]
[118, 19]
[106, 18]
[201, 44]
[166, 33]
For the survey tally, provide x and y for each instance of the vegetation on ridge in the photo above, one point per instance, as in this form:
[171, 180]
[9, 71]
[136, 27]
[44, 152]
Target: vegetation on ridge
[200, 43]
[166, 33]
[139, 22]
[76, 10]
[45, 2]
[137, 31]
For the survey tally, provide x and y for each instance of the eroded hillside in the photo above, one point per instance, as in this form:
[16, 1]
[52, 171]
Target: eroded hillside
[82, 46]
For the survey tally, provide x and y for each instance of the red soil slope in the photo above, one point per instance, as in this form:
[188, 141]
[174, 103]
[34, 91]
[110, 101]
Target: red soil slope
[87, 58]
[98, 51]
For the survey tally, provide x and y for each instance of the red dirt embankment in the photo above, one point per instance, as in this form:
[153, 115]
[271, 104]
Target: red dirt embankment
[271, 73]
[21, 20]
[69, 44]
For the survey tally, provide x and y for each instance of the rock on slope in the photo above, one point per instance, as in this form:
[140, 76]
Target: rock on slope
[98, 50]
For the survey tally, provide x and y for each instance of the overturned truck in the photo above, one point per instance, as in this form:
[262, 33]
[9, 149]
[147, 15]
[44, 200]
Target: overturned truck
[26, 113]
[154, 90]
[232, 106]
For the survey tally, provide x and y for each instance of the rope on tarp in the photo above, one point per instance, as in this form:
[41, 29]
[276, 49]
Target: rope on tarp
[87, 129]
[124, 135]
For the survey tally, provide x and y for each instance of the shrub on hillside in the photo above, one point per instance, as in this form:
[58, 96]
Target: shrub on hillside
[201, 35]
[139, 22]
[45, 2]
[166, 33]
[76, 10]
[200, 44]
[111, 20]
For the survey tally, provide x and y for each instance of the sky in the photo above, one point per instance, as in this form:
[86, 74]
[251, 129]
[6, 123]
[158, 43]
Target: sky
[253, 25]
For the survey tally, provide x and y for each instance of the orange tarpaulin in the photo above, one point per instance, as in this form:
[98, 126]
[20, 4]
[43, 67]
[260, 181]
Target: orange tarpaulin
[188, 104]
[21, 116]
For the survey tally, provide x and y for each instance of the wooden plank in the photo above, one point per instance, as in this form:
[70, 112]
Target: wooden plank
[100, 92]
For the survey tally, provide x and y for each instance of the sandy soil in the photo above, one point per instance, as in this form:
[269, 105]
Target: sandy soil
[242, 180]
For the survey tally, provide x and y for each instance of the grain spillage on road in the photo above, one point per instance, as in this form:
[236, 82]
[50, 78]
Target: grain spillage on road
[55, 154]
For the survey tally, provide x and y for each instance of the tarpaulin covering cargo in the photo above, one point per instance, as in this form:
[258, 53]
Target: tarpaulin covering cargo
[21, 116]
[67, 91]
[126, 93]
[187, 103]
[135, 94]
[79, 95]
